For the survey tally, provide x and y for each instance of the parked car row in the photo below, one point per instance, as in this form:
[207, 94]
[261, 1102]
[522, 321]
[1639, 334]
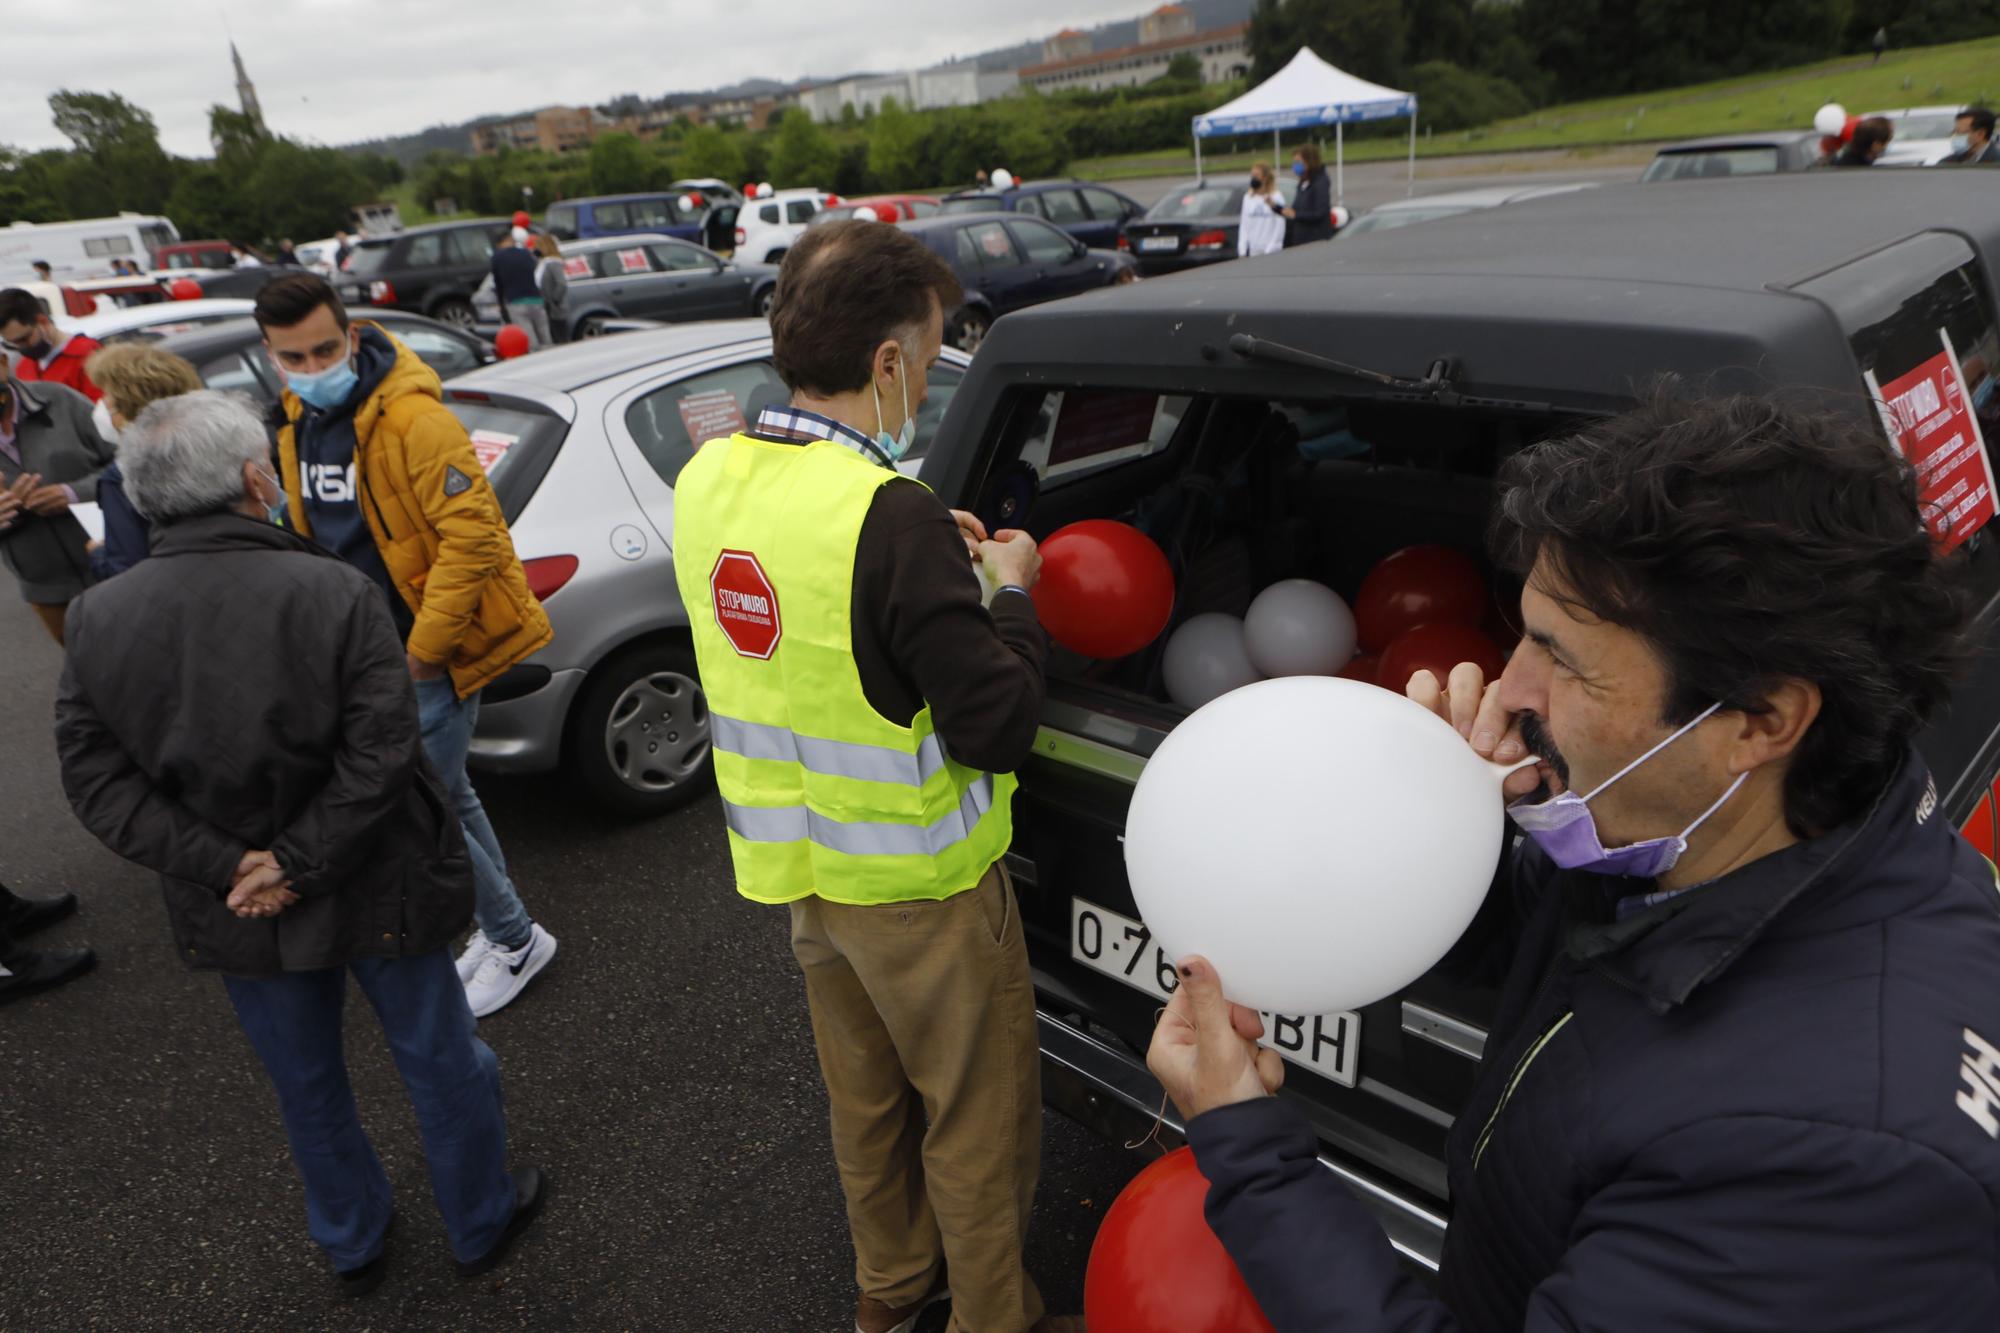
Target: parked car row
[646, 277]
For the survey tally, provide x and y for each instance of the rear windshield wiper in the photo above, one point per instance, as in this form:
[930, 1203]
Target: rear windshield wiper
[1436, 385]
[1439, 386]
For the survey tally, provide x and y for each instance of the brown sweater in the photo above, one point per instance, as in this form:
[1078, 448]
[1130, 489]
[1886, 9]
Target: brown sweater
[920, 634]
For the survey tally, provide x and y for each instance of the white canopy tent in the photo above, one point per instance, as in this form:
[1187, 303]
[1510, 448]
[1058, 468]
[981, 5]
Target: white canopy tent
[1306, 94]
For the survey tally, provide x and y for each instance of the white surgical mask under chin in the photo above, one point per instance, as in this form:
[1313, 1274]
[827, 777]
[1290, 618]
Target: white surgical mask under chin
[894, 447]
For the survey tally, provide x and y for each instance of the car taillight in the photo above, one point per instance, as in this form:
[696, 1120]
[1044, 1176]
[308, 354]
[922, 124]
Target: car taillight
[1209, 240]
[741, 236]
[1124, 241]
[382, 293]
[547, 575]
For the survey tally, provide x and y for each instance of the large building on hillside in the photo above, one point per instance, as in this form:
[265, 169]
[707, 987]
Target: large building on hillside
[960, 84]
[1069, 63]
[554, 129]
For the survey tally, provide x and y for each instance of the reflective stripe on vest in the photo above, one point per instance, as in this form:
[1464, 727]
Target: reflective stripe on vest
[835, 759]
[796, 823]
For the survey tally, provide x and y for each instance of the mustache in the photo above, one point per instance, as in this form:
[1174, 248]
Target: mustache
[1535, 733]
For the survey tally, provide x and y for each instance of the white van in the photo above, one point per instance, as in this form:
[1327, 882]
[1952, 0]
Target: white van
[82, 249]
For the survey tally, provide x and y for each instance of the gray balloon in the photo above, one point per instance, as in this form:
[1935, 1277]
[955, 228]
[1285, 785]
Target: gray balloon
[1207, 658]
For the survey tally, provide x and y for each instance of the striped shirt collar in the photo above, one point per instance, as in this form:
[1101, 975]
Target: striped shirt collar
[797, 426]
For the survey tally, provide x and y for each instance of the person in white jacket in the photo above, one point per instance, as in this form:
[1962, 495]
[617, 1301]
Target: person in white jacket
[1261, 228]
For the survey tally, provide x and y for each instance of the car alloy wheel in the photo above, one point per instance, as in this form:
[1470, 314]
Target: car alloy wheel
[590, 328]
[656, 737]
[762, 302]
[458, 314]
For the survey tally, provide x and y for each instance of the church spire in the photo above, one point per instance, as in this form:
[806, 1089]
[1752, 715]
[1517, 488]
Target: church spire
[246, 91]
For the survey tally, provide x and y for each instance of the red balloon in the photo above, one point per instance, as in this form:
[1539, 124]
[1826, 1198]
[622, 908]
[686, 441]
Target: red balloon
[521, 219]
[511, 342]
[1155, 1265]
[1847, 130]
[185, 289]
[1415, 586]
[1106, 588]
[1365, 667]
[1437, 648]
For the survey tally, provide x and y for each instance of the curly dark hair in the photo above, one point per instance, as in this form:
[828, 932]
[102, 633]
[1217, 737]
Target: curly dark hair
[1750, 543]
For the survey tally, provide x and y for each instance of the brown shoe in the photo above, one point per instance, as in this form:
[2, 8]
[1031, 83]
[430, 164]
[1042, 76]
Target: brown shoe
[872, 1316]
[1065, 1323]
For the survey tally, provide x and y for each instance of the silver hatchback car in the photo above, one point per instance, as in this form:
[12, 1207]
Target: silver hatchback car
[583, 444]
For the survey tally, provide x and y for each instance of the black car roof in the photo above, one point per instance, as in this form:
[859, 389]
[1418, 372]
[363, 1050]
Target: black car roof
[435, 226]
[1574, 298]
[950, 221]
[227, 334]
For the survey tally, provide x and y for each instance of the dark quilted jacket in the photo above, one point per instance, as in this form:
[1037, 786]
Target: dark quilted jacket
[1771, 1103]
[243, 688]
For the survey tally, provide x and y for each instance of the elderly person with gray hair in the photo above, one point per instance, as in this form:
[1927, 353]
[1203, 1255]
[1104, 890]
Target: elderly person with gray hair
[236, 714]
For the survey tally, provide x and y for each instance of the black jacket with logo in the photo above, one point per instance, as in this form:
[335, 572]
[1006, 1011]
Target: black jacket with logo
[244, 689]
[1769, 1103]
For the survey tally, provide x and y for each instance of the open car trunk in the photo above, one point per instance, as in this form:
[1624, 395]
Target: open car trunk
[1240, 493]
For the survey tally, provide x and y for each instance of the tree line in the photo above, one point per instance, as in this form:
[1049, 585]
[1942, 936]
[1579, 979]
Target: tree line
[258, 189]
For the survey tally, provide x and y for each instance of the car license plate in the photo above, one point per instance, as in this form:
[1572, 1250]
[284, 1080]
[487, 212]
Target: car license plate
[1121, 948]
[1159, 243]
[354, 295]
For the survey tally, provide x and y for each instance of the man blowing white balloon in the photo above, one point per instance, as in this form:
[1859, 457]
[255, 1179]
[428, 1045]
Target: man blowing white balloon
[1745, 1069]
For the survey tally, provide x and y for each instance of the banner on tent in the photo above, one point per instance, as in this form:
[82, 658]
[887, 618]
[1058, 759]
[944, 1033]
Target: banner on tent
[1208, 127]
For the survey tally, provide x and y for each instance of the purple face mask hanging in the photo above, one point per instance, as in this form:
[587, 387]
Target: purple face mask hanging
[1564, 827]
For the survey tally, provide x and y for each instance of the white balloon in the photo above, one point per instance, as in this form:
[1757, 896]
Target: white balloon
[1299, 628]
[1830, 119]
[1003, 179]
[764, 190]
[866, 214]
[1206, 658]
[1321, 841]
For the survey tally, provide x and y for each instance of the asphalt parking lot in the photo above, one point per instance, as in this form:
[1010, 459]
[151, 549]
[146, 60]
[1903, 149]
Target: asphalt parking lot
[661, 1070]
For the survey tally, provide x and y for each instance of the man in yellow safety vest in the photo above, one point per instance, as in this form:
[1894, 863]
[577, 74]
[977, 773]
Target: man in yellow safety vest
[866, 713]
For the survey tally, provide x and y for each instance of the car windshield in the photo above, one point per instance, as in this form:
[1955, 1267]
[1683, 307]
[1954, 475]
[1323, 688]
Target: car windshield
[1388, 219]
[984, 203]
[1749, 160]
[369, 257]
[514, 445]
[1200, 201]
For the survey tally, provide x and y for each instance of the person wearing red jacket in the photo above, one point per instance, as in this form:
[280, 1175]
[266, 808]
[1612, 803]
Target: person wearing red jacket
[47, 353]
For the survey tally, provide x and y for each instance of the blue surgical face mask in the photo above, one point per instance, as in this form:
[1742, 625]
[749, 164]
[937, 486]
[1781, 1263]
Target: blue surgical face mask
[329, 388]
[274, 512]
[894, 447]
[1298, 168]
[1565, 828]
[1960, 142]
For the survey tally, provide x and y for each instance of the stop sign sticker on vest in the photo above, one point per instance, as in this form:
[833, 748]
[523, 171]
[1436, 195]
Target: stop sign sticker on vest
[746, 605]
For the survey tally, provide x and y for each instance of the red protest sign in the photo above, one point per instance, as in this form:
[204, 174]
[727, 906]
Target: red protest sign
[746, 605]
[1929, 416]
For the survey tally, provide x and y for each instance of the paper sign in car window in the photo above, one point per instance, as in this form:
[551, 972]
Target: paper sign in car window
[1101, 421]
[576, 266]
[633, 261]
[491, 446]
[711, 415]
[1928, 413]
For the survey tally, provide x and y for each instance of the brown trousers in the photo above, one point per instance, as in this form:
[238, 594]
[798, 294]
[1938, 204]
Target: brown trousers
[924, 1015]
[51, 618]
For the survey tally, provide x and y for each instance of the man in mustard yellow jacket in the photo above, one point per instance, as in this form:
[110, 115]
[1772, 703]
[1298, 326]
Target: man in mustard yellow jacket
[378, 470]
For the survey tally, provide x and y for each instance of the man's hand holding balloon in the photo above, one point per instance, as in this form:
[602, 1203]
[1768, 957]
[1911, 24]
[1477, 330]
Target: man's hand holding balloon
[1205, 1050]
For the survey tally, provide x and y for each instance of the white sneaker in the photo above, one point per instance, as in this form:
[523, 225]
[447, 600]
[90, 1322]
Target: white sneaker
[476, 949]
[503, 974]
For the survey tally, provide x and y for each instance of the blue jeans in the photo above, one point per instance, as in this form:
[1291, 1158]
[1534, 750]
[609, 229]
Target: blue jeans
[293, 1021]
[447, 723]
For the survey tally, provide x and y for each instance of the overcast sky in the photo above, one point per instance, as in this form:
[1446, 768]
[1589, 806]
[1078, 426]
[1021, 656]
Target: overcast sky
[334, 71]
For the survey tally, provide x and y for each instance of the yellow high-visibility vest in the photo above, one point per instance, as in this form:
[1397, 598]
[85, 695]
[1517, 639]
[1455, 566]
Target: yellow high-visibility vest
[823, 795]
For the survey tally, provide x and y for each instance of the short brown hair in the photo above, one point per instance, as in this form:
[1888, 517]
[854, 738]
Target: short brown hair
[291, 299]
[134, 376]
[845, 289]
